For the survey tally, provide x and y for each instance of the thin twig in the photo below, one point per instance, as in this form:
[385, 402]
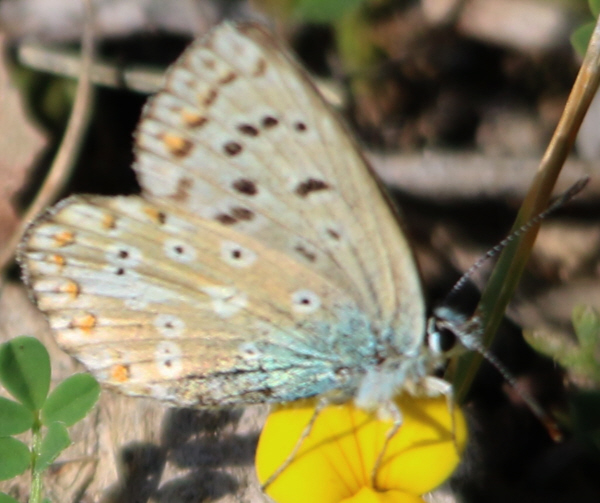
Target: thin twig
[143, 79]
[68, 152]
[507, 273]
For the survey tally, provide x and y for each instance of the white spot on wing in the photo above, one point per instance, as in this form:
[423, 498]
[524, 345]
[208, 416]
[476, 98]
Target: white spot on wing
[226, 300]
[237, 255]
[121, 276]
[123, 255]
[168, 359]
[250, 351]
[179, 251]
[332, 233]
[169, 325]
[140, 295]
[137, 304]
[305, 301]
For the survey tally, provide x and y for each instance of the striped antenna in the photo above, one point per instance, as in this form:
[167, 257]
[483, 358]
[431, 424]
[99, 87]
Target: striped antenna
[561, 200]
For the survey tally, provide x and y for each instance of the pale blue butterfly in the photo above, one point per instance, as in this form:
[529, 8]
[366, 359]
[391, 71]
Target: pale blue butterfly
[262, 263]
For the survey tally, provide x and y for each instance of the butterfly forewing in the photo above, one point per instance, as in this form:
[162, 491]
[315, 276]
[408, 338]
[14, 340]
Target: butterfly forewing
[262, 261]
[255, 135]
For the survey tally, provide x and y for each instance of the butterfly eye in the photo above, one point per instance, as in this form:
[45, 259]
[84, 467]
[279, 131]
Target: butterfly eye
[440, 339]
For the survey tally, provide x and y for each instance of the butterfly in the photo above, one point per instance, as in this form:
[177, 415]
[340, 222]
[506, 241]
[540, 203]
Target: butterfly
[262, 262]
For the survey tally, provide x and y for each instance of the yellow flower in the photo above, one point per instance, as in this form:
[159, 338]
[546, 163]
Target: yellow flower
[335, 462]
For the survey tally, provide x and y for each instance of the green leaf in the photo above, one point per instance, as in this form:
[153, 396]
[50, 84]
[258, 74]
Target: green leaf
[580, 38]
[5, 498]
[324, 11]
[580, 358]
[54, 442]
[25, 370]
[594, 7]
[586, 322]
[14, 457]
[14, 418]
[71, 400]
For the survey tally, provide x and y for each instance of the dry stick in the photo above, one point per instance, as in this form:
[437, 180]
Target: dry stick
[143, 79]
[70, 145]
[436, 174]
[445, 176]
[507, 273]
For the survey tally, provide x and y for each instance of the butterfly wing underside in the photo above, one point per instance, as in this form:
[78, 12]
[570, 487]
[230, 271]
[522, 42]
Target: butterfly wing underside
[261, 257]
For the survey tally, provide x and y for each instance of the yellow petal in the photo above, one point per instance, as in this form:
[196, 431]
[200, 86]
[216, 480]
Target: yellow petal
[427, 448]
[335, 461]
[368, 495]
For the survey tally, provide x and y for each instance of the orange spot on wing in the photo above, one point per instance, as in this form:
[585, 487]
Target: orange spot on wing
[177, 146]
[109, 221]
[156, 215]
[71, 288]
[192, 119]
[85, 322]
[64, 238]
[59, 260]
[120, 373]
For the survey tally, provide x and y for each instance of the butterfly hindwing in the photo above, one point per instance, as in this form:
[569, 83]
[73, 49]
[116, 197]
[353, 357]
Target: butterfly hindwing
[158, 302]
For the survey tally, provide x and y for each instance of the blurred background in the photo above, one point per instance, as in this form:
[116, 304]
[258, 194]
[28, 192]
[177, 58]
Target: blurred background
[454, 102]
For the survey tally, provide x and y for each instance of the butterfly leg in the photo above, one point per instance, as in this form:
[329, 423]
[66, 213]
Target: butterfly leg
[436, 387]
[395, 413]
[431, 387]
[321, 404]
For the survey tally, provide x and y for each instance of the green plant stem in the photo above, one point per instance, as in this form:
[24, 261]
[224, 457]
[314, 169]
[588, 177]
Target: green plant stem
[507, 273]
[36, 445]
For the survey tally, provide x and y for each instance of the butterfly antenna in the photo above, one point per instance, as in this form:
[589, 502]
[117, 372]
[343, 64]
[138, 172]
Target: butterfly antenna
[557, 203]
[470, 338]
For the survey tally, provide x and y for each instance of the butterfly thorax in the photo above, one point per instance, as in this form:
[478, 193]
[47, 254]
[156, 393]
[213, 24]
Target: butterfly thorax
[394, 375]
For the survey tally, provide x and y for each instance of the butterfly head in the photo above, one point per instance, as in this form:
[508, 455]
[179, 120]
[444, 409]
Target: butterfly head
[412, 370]
[448, 333]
